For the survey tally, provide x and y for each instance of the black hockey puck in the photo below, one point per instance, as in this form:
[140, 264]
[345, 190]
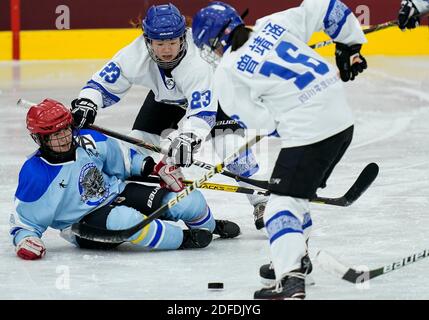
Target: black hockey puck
[215, 285]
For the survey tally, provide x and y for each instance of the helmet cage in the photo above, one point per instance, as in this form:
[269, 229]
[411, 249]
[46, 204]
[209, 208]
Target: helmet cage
[167, 64]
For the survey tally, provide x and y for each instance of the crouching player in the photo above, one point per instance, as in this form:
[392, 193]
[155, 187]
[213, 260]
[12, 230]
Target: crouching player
[78, 176]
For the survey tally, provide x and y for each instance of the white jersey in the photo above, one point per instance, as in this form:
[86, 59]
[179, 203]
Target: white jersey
[189, 87]
[275, 81]
[421, 5]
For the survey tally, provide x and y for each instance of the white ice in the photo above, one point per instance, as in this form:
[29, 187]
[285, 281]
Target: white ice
[390, 221]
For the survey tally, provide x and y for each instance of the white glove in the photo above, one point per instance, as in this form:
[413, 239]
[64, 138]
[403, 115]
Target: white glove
[183, 147]
[170, 175]
[30, 248]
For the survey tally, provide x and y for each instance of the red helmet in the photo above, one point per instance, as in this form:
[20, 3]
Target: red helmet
[48, 117]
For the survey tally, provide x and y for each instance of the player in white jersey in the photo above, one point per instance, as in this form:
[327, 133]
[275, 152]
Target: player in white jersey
[410, 8]
[181, 106]
[79, 177]
[274, 81]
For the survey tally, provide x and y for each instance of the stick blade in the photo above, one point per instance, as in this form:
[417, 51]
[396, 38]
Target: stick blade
[331, 265]
[365, 179]
[97, 234]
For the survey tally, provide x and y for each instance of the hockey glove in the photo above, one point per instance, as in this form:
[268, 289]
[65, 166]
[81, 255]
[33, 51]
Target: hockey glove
[30, 248]
[84, 112]
[171, 176]
[349, 61]
[182, 149]
[406, 13]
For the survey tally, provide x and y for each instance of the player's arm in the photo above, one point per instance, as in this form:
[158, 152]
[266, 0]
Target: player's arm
[122, 161]
[200, 116]
[28, 222]
[336, 20]
[106, 87]
[409, 9]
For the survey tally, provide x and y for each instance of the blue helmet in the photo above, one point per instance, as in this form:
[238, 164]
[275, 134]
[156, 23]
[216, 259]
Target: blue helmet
[212, 26]
[165, 22]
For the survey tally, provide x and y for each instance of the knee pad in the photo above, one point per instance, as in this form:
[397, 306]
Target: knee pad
[123, 217]
[188, 209]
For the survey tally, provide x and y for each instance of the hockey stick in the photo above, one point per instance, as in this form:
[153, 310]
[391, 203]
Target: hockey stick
[365, 179]
[117, 236]
[332, 265]
[372, 29]
[139, 143]
[154, 148]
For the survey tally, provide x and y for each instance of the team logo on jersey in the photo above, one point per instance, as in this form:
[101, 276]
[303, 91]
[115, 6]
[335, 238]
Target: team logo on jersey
[92, 188]
[63, 185]
[169, 83]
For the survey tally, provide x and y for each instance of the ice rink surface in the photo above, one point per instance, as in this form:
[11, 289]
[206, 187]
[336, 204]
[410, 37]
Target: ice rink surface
[390, 221]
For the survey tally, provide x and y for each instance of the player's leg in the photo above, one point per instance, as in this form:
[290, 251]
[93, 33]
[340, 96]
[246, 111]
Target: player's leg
[298, 173]
[193, 209]
[227, 135]
[157, 235]
[195, 212]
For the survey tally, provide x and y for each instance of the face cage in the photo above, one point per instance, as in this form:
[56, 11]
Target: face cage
[168, 64]
[210, 56]
[42, 141]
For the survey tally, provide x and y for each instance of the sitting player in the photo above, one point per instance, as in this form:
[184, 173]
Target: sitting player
[78, 176]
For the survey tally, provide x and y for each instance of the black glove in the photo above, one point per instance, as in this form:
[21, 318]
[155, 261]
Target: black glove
[84, 112]
[405, 17]
[182, 148]
[349, 61]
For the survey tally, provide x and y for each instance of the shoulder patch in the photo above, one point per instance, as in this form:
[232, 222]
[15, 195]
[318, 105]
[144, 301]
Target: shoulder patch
[35, 178]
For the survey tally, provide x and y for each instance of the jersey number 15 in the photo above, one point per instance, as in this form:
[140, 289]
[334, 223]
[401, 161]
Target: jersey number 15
[301, 80]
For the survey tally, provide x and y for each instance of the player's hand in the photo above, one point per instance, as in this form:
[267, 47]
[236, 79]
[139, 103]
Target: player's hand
[30, 248]
[406, 13]
[182, 149]
[349, 61]
[84, 112]
[171, 176]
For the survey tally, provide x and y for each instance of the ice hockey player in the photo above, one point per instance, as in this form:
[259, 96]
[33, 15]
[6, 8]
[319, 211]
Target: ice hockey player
[273, 80]
[79, 177]
[410, 8]
[181, 106]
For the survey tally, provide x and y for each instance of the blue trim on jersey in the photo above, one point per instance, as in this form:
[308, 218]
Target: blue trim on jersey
[207, 116]
[14, 230]
[250, 172]
[341, 23]
[108, 98]
[132, 153]
[307, 221]
[97, 136]
[274, 134]
[332, 22]
[159, 229]
[35, 178]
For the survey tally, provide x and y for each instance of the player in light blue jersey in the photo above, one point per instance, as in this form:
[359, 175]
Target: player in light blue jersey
[79, 176]
[407, 14]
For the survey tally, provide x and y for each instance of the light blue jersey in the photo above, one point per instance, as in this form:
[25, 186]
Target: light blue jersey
[50, 195]
[58, 195]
